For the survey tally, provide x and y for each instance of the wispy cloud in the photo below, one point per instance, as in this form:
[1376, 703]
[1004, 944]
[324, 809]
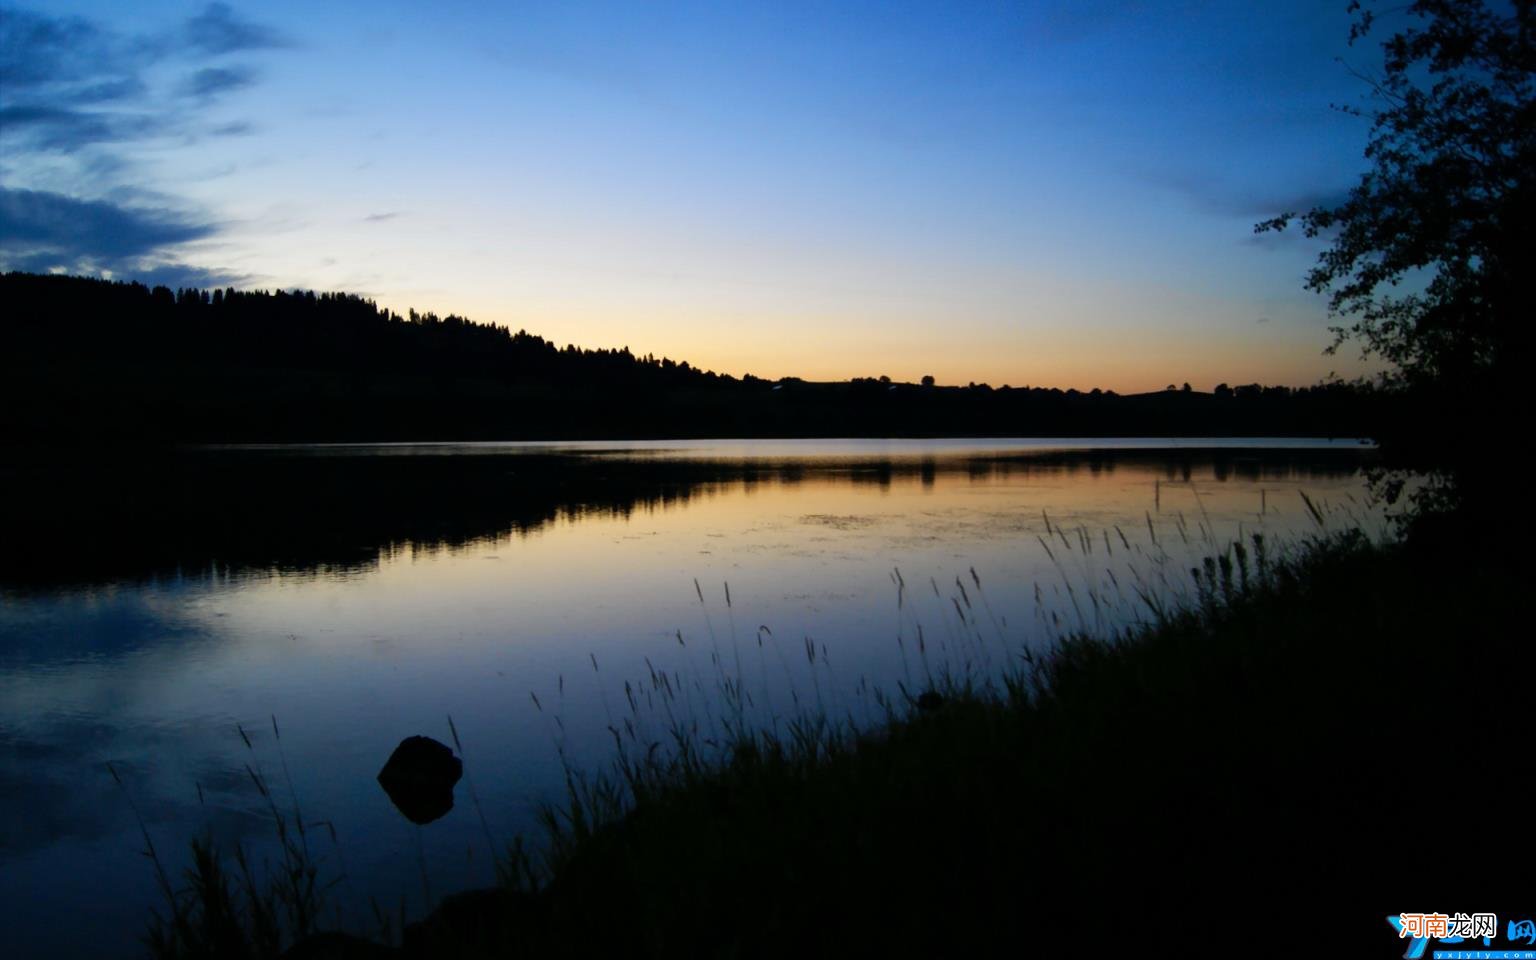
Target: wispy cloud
[212, 81]
[70, 87]
[42, 232]
[67, 83]
[238, 128]
[60, 129]
[1222, 196]
[218, 30]
[38, 50]
[34, 221]
[382, 217]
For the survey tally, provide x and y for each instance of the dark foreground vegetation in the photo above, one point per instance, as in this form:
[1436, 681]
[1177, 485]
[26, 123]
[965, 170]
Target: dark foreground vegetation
[91, 360]
[1309, 745]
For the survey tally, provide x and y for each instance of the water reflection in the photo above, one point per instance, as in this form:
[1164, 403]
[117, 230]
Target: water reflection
[214, 514]
[362, 597]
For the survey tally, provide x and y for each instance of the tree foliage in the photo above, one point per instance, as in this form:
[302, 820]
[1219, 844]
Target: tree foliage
[1428, 255]
[91, 359]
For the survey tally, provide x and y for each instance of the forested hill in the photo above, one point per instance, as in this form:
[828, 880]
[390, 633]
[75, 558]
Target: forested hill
[87, 359]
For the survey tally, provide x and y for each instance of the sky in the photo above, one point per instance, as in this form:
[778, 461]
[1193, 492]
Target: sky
[1048, 194]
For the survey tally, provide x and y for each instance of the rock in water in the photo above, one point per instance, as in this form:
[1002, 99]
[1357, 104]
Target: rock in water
[419, 778]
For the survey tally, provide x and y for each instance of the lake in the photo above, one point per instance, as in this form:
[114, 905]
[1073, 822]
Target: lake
[160, 611]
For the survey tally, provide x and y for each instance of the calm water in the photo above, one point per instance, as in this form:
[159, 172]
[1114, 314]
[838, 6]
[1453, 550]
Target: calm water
[363, 594]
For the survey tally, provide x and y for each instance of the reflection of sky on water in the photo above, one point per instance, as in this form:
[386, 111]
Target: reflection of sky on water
[798, 448]
[154, 677]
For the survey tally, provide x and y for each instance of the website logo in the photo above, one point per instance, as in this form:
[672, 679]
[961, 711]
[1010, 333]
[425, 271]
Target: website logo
[1456, 936]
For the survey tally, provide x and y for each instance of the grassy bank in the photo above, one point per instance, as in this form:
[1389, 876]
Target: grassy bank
[1306, 747]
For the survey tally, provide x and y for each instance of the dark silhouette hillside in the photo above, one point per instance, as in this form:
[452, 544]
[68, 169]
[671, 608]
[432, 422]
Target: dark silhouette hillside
[101, 361]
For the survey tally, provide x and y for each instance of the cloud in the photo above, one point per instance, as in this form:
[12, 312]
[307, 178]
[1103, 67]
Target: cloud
[35, 221]
[1295, 201]
[219, 30]
[382, 217]
[1222, 197]
[67, 84]
[56, 75]
[238, 128]
[51, 128]
[212, 81]
[36, 49]
[177, 275]
[71, 87]
[54, 71]
[42, 231]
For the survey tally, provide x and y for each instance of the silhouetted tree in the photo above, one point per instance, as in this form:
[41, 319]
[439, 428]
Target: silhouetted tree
[84, 358]
[1428, 257]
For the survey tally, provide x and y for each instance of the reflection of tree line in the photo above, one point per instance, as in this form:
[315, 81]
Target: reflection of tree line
[91, 360]
[236, 511]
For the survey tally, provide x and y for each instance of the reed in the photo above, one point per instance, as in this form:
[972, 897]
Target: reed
[1224, 747]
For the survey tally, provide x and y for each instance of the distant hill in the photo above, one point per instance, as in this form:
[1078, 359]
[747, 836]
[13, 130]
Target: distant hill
[92, 360]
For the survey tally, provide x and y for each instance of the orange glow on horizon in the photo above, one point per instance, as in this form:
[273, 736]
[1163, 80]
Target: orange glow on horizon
[1121, 358]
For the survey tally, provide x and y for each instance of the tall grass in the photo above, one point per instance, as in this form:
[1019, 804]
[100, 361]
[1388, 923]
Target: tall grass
[228, 904]
[1239, 749]
[1183, 729]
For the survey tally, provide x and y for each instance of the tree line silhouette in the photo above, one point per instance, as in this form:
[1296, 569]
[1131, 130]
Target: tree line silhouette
[111, 361]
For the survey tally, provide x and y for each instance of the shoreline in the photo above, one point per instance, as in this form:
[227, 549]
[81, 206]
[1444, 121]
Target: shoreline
[1221, 757]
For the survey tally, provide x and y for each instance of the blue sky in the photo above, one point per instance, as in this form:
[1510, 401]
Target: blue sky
[1055, 194]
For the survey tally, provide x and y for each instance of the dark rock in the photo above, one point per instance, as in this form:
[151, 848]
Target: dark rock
[419, 778]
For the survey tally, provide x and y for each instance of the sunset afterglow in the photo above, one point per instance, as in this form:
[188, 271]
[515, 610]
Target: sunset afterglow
[1055, 194]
